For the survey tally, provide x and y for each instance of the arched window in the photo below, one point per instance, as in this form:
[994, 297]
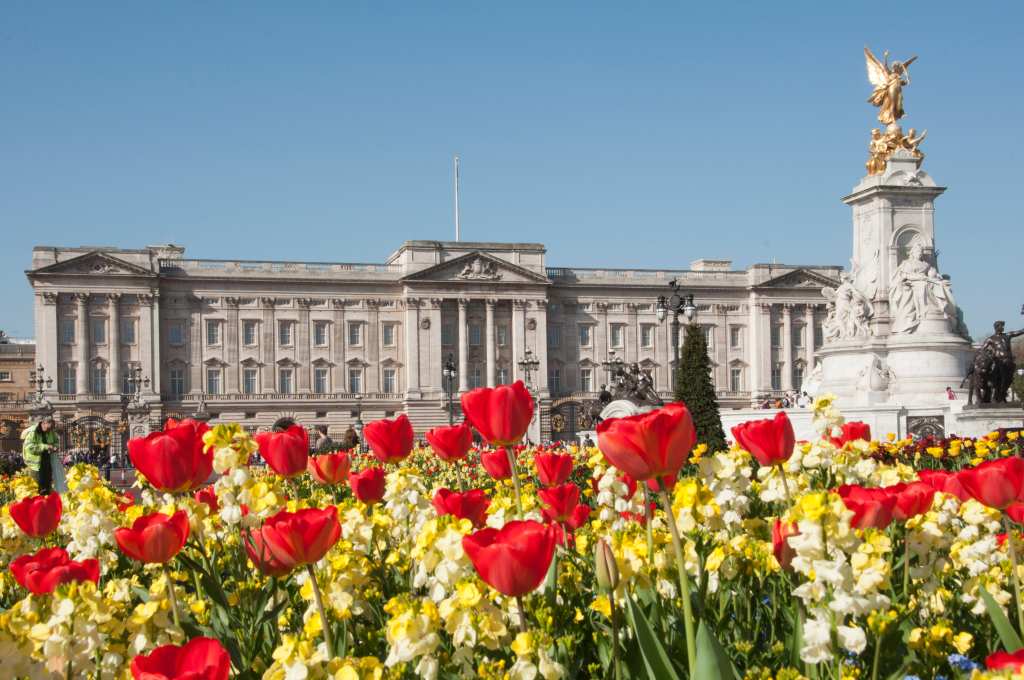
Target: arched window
[904, 240]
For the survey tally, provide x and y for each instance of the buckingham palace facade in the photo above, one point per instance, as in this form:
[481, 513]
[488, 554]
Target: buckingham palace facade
[323, 342]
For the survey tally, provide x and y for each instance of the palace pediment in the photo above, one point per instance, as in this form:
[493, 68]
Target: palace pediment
[95, 264]
[477, 267]
[799, 278]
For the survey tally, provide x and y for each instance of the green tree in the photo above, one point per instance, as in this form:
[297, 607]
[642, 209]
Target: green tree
[695, 388]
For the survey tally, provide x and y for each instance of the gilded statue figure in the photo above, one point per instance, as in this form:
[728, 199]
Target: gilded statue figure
[888, 81]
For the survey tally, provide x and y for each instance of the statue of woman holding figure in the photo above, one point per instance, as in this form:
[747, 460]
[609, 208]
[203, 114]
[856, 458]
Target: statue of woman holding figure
[917, 290]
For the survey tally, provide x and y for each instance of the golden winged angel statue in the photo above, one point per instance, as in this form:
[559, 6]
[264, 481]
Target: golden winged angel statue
[888, 82]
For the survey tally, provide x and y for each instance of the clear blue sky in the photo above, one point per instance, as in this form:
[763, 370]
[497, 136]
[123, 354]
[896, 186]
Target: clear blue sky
[620, 134]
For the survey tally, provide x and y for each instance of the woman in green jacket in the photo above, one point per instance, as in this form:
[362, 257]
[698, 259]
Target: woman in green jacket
[39, 451]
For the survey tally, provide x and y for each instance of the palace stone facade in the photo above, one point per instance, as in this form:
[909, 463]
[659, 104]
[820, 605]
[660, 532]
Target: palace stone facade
[320, 341]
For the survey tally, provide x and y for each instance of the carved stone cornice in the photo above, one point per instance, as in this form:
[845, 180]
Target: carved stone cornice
[541, 304]
[232, 301]
[436, 303]
[520, 303]
[463, 302]
[114, 298]
[81, 298]
[49, 298]
[146, 299]
[339, 303]
[268, 301]
[491, 303]
[601, 305]
[413, 302]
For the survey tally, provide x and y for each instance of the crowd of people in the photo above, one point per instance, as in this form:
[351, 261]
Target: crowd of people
[791, 399]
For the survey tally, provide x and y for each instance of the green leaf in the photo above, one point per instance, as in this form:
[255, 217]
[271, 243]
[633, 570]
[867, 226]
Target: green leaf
[712, 661]
[798, 636]
[1008, 636]
[655, 658]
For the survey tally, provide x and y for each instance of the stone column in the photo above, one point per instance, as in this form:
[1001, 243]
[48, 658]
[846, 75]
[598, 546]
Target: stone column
[432, 356]
[765, 331]
[302, 342]
[463, 346]
[371, 346]
[489, 316]
[146, 362]
[787, 346]
[518, 337]
[542, 346]
[156, 368]
[48, 337]
[231, 343]
[753, 347]
[808, 339]
[268, 345]
[412, 347]
[339, 383]
[114, 355]
[82, 344]
[197, 370]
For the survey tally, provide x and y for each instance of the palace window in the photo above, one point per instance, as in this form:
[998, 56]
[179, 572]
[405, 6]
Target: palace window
[98, 378]
[127, 387]
[213, 381]
[448, 334]
[67, 331]
[212, 332]
[249, 333]
[176, 380]
[776, 335]
[474, 378]
[586, 379]
[250, 380]
[474, 334]
[618, 333]
[355, 380]
[320, 334]
[819, 336]
[586, 335]
[554, 379]
[127, 331]
[503, 376]
[777, 376]
[798, 336]
[68, 379]
[736, 379]
[5, 376]
[387, 334]
[709, 335]
[355, 333]
[502, 335]
[285, 383]
[176, 333]
[389, 380]
[284, 333]
[735, 336]
[321, 380]
[554, 336]
[647, 335]
[798, 376]
[99, 331]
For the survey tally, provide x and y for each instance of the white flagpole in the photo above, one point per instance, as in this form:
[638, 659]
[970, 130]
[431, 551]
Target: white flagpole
[458, 233]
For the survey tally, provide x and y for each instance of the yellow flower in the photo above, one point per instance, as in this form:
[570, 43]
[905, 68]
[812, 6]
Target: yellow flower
[602, 605]
[523, 644]
[813, 505]
[963, 642]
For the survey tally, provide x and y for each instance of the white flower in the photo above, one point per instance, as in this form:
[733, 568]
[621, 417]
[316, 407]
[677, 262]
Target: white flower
[852, 638]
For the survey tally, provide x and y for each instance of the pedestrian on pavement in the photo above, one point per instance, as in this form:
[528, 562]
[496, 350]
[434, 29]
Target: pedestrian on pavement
[39, 449]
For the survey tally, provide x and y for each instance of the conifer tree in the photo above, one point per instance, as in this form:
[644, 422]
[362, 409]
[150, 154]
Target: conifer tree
[695, 388]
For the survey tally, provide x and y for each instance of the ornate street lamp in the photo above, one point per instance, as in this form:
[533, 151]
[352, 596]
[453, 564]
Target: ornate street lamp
[679, 304]
[527, 365]
[38, 379]
[450, 373]
[129, 396]
[359, 418]
[612, 365]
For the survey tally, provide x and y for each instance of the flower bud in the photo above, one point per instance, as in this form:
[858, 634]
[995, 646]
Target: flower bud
[605, 568]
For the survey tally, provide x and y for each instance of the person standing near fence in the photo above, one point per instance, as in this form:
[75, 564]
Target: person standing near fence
[39, 449]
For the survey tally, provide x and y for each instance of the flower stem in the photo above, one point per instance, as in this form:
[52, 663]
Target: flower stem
[320, 608]
[615, 635]
[458, 473]
[648, 522]
[171, 596]
[522, 613]
[785, 484]
[684, 582]
[878, 654]
[1016, 578]
[906, 565]
[515, 479]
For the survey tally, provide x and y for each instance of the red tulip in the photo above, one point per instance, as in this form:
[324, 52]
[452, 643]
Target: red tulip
[260, 555]
[995, 483]
[471, 505]
[391, 440]
[553, 469]
[154, 538]
[656, 484]
[368, 485]
[871, 507]
[124, 502]
[559, 501]
[331, 468]
[496, 463]
[770, 441]
[580, 515]
[37, 516]
[500, 414]
[299, 538]
[945, 482]
[1015, 511]
[42, 572]
[200, 658]
[1005, 661]
[285, 452]
[207, 495]
[451, 443]
[173, 460]
[784, 553]
[514, 559]
[852, 431]
[911, 499]
[650, 444]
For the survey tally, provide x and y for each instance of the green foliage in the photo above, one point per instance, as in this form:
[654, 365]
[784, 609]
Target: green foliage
[1017, 386]
[696, 389]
